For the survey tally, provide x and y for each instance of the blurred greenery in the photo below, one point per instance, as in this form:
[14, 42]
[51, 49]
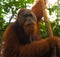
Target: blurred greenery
[11, 7]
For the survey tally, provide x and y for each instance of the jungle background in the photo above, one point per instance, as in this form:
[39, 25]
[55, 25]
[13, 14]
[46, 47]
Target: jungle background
[9, 9]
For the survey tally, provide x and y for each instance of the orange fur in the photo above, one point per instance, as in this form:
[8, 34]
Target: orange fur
[37, 9]
[15, 44]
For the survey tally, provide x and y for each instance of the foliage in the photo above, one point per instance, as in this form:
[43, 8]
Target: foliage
[43, 30]
[55, 28]
[11, 6]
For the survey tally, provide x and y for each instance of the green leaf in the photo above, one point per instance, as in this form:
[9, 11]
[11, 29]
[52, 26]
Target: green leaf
[30, 1]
